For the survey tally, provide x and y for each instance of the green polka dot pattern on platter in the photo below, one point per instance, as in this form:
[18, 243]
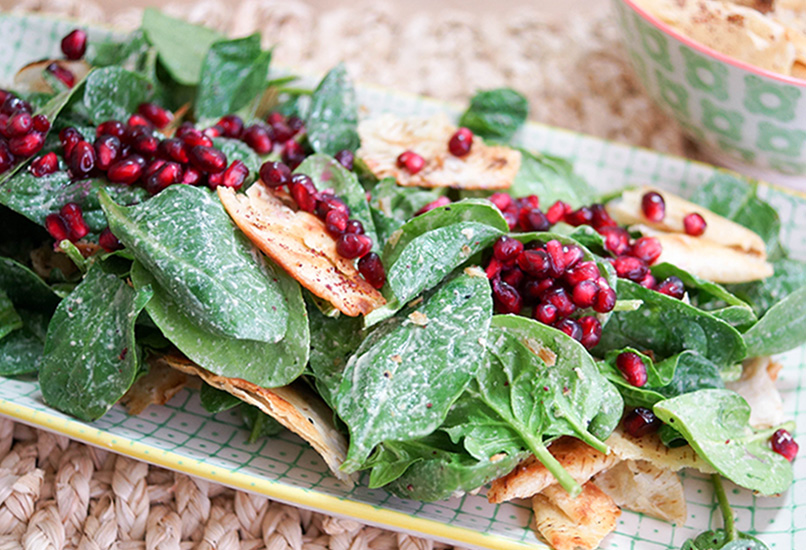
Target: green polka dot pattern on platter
[750, 118]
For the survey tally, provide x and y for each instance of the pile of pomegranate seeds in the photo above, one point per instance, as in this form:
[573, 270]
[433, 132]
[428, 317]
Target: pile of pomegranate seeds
[22, 135]
[632, 367]
[640, 422]
[67, 224]
[554, 281]
[784, 444]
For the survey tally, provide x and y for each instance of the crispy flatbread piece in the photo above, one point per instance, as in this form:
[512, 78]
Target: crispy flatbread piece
[157, 387]
[385, 137]
[294, 406]
[30, 78]
[575, 523]
[651, 449]
[758, 389]
[298, 242]
[641, 486]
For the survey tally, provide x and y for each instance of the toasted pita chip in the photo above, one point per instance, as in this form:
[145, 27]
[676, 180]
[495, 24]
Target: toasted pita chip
[385, 137]
[575, 523]
[298, 242]
[531, 477]
[626, 210]
[651, 449]
[30, 79]
[758, 389]
[294, 406]
[157, 387]
[642, 487]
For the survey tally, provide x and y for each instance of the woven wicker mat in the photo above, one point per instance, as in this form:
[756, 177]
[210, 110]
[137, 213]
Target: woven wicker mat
[56, 494]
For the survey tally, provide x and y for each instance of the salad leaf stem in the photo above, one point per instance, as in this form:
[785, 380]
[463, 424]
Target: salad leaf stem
[724, 506]
[562, 476]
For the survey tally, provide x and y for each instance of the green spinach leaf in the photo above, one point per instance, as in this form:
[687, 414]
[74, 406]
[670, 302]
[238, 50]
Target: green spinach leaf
[781, 329]
[332, 122]
[113, 93]
[216, 401]
[496, 114]
[236, 149]
[25, 288]
[9, 318]
[130, 53]
[392, 205]
[21, 351]
[259, 423]
[789, 276]
[551, 179]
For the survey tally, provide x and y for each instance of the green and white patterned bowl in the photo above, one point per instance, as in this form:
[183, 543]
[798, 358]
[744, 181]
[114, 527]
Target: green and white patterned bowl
[743, 117]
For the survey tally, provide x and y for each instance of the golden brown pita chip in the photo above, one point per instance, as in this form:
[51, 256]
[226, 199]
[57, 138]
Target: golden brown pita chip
[757, 387]
[298, 242]
[575, 523]
[294, 406]
[642, 487]
[385, 137]
[157, 387]
[531, 477]
[651, 449]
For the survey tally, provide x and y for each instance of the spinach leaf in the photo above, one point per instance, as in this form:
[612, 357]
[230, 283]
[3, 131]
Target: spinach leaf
[185, 238]
[264, 364]
[414, 367]
[234, 72]
[392, 205]
[496, 114]
[113, 93]
[789, 276]
[25, 288]
[668, 326]
[130, 53]
[236, 149]
[90, 358]
[327, 173]
[21, 351]
[182, 47]
[9, 318]
[716, 425]
[259, 423]
[551, 179]
[215, 401]
[781, 329]
[718, 540]
[332, 122]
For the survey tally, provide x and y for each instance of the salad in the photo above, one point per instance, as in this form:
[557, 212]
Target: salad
[417, 299]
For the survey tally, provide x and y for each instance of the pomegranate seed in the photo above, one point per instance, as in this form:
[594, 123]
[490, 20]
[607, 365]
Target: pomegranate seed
[501, 200]
[82, 159]
[353, 245]
[6, 158]
[641, 422]
[235, 175]
[439, 203]
[125, 171]
[173, 149]
[546, 313]
[535, 289]
[584, 271]
[605, 300]
[111, 128]
[45, 165]
[213, 132]
[207, 159]
[328, 202]
[155, 114]
[4, 94]
[506, 298]
[295, 123]
[600, 217]
[275, 118]
[74, 44]
[493, 269]
[65, 76]
[783, 444]
[282, 132]
[647, 249]
[529, 201]
[153, 166]
[694, 224]
[371, 268]
[275, 174]
[214, 180]
[192, 137]
[73, 219]
[336, 222]
[672, 286]
[167, 174]
[533, 219]
[507, 249]
[513, 277]
[27, 145]
[648, 281]
[461, 142]
[557, 212]
[56, 227]
[19, 124]
[632, 368]
[14, 104]
[559, 298]
[653, 206]
[535, 262]
[411, 162]
[355, 226]
[41, 124]
[511, 219]
[146, 144]
[138, 120]
[232, 126]
[107, 151]
[582, 216]
[591, 331]
[584, 294]
[572, 255]
[304, 193]
[570, 327]
[184, 128]
[346, 158]
[555, 251]
[293, 155]
[630, 268]
[69, 137]
[191, 176]
[257, 137]
[108, 241]
[617, 240]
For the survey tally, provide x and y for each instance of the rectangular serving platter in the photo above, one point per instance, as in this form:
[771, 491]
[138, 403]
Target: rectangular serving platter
[182, 436]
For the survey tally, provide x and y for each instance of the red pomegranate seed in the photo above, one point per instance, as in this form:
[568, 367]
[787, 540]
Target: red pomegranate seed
[293, 154]
[533, 219]
[82, 160]
[336, 222]
[125, 171]
[506, 298]
[461, 142]
[153, 167]
[328, 202]
[591, 331]
[582, 216]
[583, 271]
[546, 313]
[493, 269]
[155, 114]
[111, 128]
[257, 137]
[232, 126]
[4, 94]
[411, 162]
[192, 137]
[304, 193]
[535, 289]
[167, 174]
[108, 241]
[630, 268]
[184, 128]
[352, 245]
[784, 444]
[572, 255]
[6, 158]
[19, 124]
[600, 217]
[535, 262]
[13, 104]
[501, 200]
[672, 286]
[559, 298]
[694, 224]
[648, 281]
[605, 300]
[45, 165]
[653, 206]
[647, 249]
[641, 422]
[513, 277]
[275, 174]
[584, 294]
[295, 123]
[107, 151]
[371, 268]
[146, 144]
[207, 159]
[529, 201]
[570, 327]
[235, 175]
[632, 368]
[73, 219]
[213, 132]
[56, 227]
[507, 249]
[275, 117]
[617, 240]
[27, 145]
[557, 212]
[74, 44]
[355, 226]
[173, 149]
[282, 132]
[41, 124]
[439, 203]
[191, 176]
[557, 255]
[138, 120]
[65, 76]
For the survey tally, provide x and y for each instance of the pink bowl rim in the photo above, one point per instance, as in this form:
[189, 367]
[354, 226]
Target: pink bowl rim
[719, 56]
